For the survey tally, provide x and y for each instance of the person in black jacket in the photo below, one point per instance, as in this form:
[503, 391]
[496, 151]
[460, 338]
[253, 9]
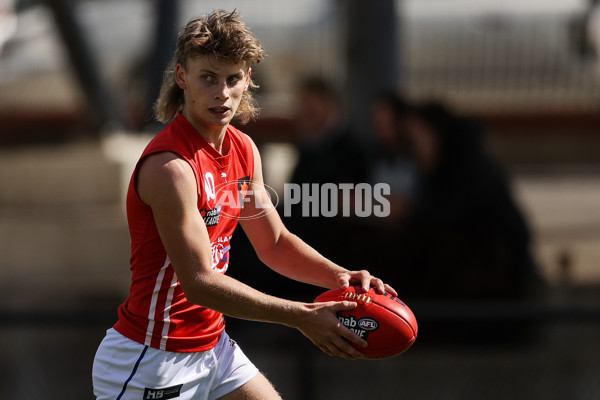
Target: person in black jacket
[465, 236]
[327, 153]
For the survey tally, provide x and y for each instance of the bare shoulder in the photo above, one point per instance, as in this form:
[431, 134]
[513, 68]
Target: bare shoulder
[164, 175]
[253, 145]
[249, 139]
[258, 177]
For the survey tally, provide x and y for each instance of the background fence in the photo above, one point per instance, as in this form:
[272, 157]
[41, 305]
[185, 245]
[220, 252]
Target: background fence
[464, 351]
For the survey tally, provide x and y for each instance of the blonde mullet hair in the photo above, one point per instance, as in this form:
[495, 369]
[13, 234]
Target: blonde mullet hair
[223, 35]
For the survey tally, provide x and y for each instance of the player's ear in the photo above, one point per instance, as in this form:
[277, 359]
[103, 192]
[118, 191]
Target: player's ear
[248, 75]
[180, 76]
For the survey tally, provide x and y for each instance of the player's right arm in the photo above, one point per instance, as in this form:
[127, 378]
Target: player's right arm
[167, 184]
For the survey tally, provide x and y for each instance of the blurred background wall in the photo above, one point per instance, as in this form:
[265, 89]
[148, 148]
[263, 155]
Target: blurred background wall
[77, 82]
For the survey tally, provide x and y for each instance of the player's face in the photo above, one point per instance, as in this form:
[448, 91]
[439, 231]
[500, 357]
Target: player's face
[212, 90]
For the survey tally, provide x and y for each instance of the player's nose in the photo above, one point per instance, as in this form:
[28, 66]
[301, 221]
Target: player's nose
[222, 91]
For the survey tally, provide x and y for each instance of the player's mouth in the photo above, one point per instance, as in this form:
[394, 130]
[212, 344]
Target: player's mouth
[219, 111]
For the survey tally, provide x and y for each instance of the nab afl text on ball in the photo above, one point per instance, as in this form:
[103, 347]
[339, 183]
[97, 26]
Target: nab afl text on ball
[383, 320]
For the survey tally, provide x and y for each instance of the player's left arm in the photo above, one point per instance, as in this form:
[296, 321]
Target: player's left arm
[285, 252]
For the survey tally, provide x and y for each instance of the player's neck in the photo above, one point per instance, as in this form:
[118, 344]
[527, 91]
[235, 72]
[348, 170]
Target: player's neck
[216, 139]
[213, 134]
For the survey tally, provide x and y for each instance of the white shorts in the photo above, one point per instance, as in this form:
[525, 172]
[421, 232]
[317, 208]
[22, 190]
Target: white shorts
[127, 370]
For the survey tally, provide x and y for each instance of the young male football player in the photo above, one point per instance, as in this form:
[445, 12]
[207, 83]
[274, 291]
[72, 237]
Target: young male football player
[193, 183]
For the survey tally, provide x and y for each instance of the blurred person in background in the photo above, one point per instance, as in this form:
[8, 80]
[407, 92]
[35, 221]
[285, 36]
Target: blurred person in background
[592, 31]
[392, 161]
[328, 152]
[465, 236]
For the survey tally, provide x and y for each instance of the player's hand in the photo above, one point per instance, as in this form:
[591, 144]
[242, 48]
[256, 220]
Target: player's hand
[365, 280]
[321, 325]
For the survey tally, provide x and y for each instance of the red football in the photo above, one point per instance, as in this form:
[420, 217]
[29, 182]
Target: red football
[383, 320]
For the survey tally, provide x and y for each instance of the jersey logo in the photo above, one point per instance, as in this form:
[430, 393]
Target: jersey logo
[243, 185]
[162, 394]
[211, 216]
[220, 253]
[209, 186]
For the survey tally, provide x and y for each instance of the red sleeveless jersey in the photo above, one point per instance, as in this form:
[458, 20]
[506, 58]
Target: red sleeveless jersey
[157, 313]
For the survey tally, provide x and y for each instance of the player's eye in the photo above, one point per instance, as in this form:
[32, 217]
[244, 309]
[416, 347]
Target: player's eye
[232, 80]
[207, 78]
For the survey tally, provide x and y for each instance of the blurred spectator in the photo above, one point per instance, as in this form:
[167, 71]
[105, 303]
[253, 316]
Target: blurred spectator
[327, 148]
[465, 237]
[392, 162]
[327, 153]
[592, 27]
[584, 32]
